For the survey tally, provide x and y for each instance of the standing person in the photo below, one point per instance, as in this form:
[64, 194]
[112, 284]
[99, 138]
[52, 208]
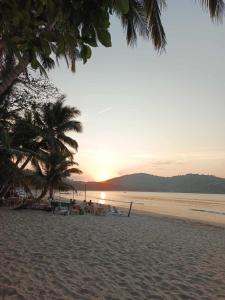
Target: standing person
[91, 207]
[83, 207]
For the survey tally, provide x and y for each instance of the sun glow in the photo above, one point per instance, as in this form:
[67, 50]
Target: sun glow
[103, 175]
[102, 163]
[105, 166]
[102, 198]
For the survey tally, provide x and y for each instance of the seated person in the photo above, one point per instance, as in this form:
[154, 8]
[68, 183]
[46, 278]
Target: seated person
[99, 209]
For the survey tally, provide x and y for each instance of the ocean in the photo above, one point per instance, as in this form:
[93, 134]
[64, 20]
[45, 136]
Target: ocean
[173, 204]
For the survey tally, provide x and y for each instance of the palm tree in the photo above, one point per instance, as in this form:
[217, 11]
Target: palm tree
[9, 156]
[52, 169]
[36, 134]
[55, 121]
[47, 129]
[71, 28]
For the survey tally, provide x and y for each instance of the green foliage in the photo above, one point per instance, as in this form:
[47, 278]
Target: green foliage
[34, 31]
[38, 33]
[38, 133]
[123, 6]
[104, 37]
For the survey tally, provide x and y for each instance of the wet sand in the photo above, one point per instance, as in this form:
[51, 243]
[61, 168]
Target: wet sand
[45, 256]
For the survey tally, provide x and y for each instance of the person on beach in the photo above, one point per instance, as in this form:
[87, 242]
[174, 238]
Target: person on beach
[99, 209]
[84, 206]
[90, 207]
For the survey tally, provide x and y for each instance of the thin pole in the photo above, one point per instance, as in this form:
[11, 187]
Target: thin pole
[130, 209]
[85, 191]
[73, 195]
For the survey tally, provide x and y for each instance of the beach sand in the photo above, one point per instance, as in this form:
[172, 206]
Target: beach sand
[45, 256]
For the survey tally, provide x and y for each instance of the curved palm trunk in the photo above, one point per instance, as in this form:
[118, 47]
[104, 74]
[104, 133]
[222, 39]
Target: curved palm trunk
[21, 168]
[11, 77]
[5, 189]
[28, 191]
[26, 162]
[30, 156]
[51, 192]
[43, 193]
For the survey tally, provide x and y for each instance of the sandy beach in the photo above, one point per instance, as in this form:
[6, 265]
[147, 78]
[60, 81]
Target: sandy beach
[45, 256]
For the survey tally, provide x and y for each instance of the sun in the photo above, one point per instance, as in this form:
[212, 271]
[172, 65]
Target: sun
[103, 176]
[103, 165]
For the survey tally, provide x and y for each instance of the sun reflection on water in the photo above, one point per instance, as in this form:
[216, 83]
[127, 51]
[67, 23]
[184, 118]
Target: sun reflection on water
[102, 198]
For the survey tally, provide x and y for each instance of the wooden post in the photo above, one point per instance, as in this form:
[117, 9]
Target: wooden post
[130, 209]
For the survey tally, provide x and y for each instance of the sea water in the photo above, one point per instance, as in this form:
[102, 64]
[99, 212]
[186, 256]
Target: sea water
[155, 202]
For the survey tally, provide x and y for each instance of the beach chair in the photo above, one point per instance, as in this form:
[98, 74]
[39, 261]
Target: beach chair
[60, 207]
[76, 209]
[100, 210]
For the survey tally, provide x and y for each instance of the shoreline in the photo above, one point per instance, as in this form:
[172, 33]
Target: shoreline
[178, 218]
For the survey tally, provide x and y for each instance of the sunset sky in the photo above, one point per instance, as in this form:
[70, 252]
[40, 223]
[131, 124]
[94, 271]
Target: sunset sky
[142, 111]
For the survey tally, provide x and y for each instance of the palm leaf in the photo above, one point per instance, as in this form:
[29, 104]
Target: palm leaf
[216, 8]
[153, 14]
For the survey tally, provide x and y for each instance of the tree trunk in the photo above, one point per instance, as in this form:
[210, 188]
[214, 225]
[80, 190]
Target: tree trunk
[26, 161]
[3, 186]
[9, 79]
[51, 192]
[6, 190]
[30, 156]
[43, 193]
[28, 191]
[2, 45]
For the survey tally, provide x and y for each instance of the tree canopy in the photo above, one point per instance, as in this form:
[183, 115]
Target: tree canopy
[40, 32]
[34, 133]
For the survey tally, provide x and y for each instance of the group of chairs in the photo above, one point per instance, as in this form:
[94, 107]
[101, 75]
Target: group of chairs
[63, 208]
[66, 208]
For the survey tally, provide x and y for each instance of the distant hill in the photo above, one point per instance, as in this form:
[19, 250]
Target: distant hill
[190, 183]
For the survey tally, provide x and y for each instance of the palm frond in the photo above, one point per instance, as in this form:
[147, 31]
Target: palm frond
[71, 126]
[70, 171]
[134, 21]
[153, 14]
[216, 8]
[66, 140]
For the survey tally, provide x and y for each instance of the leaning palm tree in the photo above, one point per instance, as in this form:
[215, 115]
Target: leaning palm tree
[51, 169]
[42, 131]
[53, 156]
[10, 174]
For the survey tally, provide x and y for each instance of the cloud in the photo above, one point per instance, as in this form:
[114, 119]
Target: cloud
[202, 155]
[162, 162]
[166, 162]
[104, 110]
[143, 155]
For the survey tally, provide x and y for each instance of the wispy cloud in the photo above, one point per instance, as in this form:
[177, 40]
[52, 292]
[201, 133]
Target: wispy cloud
[167, 162]
[143, 155]
[104, 110]
[202, 155]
